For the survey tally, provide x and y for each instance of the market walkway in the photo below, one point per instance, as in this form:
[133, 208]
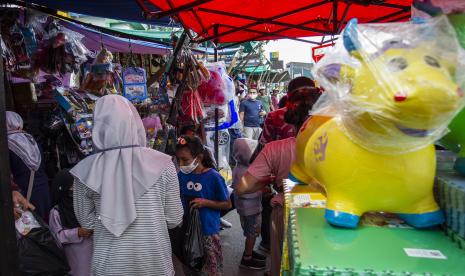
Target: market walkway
[233, 246]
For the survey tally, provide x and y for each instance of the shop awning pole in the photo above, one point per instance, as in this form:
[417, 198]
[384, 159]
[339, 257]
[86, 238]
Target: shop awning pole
[217, 115]
[8, 250]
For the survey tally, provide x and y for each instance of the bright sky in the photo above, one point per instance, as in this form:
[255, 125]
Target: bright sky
[291, 50]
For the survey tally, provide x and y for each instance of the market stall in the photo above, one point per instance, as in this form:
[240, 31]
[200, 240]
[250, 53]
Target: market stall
[380, 145]
[56, 68]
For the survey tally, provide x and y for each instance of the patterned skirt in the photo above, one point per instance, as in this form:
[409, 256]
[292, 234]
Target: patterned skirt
[214, 256]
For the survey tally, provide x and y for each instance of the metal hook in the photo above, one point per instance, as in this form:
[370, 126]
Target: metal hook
[131, 62]
[101, 41]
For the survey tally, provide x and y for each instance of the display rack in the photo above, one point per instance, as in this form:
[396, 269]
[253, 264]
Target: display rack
[316, 248]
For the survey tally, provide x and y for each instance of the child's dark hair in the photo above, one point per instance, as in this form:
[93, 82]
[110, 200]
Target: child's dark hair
[187, 128]
[195, 146]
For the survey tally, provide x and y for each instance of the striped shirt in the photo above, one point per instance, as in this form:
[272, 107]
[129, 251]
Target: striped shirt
[144, 248]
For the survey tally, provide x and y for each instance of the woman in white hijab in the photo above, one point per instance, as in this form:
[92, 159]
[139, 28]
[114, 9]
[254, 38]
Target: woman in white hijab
[26, 164]
[128, 194]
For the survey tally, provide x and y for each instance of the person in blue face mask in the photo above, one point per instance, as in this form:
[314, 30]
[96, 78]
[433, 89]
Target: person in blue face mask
[202, 187]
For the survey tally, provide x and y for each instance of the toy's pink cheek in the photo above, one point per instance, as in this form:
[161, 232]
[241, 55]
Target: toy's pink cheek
[460, 92]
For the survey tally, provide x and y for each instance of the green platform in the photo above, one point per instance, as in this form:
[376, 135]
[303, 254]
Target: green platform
[317, 248]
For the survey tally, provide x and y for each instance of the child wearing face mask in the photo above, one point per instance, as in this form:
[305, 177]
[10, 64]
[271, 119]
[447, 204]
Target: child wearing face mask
[202, 187]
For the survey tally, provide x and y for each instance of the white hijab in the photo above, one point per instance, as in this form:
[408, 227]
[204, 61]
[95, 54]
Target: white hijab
[123, 169]
[22, 143]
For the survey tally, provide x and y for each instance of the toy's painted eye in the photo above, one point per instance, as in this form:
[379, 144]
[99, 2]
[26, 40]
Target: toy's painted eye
[398, 64]
[431, 61]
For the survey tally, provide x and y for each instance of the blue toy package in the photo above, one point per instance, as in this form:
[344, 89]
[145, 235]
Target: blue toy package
[135, 84]
[29, 40]
[63, 101]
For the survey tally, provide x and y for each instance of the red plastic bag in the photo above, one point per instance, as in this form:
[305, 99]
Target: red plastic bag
[191, 108]
[212, 92]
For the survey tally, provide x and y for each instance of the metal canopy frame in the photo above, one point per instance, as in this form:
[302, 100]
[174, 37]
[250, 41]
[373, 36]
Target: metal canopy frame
[173, 11]
[336, 22]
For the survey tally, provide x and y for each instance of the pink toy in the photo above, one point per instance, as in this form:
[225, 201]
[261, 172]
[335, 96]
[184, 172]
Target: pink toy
[212, 92]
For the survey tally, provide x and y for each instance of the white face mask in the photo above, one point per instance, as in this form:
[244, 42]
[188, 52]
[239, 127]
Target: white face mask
[252, 96]
[189, 168]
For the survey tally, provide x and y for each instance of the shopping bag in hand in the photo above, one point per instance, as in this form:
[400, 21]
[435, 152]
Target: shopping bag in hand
[194, 255]
[39, 253]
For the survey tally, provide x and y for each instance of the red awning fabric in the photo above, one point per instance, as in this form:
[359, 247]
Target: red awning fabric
[245, 20]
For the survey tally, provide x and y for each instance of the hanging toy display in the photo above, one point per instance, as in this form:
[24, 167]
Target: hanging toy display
[19, 60]
[152, 125]
[218, 92]
[61, 53]
[191, 108]
[45, 90]
[160, 98]
[135, 84]
[76, 113]
[391, 91]
[101, 79]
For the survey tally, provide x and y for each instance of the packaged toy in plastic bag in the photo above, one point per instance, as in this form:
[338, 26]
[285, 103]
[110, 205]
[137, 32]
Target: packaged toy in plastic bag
[191, 108]
[152, 125]
[393, 88]
[455, 11]
[101, 80]
[218, 90]
[390, 92]
[135, 84]
[61, 52]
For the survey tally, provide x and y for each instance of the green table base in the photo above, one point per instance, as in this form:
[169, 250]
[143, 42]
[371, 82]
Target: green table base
[317, 248]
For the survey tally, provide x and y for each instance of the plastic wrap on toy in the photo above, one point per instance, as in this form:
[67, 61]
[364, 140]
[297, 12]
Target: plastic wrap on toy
[7, 55]
[219, 89]
[61, 52]
[135, 84]
[99, 80]
[393, 88]
[421, 7]
[152, 125]
[454, 9]
[160, 98]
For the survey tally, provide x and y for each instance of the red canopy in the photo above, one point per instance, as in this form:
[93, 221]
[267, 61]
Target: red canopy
[246, 20]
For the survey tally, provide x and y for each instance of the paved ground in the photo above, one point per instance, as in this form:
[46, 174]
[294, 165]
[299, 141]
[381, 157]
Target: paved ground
[233, 246]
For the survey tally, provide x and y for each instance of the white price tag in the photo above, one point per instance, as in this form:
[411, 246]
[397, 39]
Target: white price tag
[424, 253]
[302, 199]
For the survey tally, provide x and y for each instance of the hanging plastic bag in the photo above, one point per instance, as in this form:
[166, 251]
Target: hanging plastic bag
[39, 254]
[61, 52]
[191, 108]
[219, 89]
[194, 254]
